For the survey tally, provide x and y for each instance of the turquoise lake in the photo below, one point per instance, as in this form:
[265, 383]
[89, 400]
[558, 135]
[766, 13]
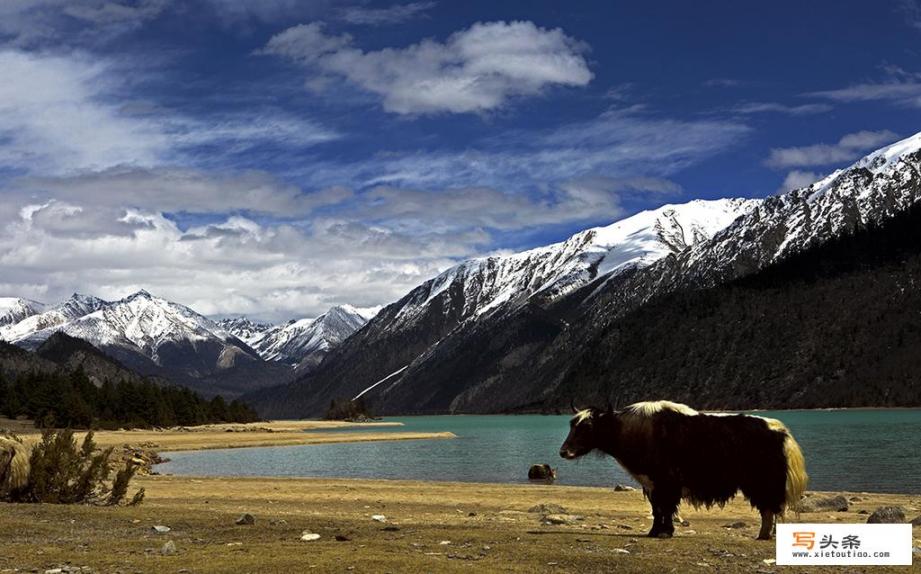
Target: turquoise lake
[854, 450]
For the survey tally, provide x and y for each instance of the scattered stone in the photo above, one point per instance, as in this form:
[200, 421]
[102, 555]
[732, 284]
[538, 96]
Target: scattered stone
[160, 529]
[342, 538]
[559, 519]
[621, 551]
[246, 519]
[379, 518]
[863, 512]
[308, 536]
[445, 542]
[736, 525]
[548, 509]
[623, 488]
[541, 472]
[278, 522]
[916, 550]
[391, 528]
[769, 561]
[168, 549]
[54, 571]
[823, 504]
[887, 515]
[471, 514]
[916, 521]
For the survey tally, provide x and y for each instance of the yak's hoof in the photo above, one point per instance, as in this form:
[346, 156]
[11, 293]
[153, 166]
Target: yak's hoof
[659, 534]
[764, 537]
[665, 535]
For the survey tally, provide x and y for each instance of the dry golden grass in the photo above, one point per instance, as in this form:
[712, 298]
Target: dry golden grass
[488, 527]
[275, 433]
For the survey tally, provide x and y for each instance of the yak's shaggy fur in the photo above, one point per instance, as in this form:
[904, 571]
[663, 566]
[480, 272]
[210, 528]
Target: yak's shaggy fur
[677, 453]
[14, 465]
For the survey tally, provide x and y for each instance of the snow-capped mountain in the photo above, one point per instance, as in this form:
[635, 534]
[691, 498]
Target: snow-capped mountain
[528, 330]
[587, 345]
[868, 193]
[15, 309]
[244, 329]
[154, 337]
[432, 314]
[299, 343]
[36, 327]
[546, 273]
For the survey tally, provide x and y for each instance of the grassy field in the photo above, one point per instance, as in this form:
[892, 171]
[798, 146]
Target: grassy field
[429, 527]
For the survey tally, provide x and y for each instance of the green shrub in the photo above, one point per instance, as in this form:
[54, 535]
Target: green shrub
[63, 473]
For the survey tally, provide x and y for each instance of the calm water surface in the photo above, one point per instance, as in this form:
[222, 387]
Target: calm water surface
[856, 450]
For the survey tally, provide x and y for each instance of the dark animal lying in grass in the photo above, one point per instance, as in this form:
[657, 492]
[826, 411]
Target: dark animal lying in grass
[676, 452]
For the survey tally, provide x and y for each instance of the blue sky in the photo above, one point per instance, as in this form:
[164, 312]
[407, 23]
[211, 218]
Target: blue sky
[276, 157]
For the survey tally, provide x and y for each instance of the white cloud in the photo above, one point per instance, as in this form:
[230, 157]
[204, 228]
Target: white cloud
[52, 116]
[474, 70]
[29, 22]
[382, 16]
[797, 179]
[848, 148]
[619, 144]
[60, 114]
[901, 87]
[173, 190]
[767, 107]
[237, 265]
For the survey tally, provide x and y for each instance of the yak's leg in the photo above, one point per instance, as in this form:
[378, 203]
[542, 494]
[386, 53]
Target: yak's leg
[767, 525]
[664, 505]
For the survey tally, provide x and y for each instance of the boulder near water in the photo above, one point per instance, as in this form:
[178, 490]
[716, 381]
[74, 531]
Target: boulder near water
[824, 504]
[541, 472]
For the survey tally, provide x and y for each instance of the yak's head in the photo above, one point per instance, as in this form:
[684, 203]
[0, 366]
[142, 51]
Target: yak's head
[589, 429]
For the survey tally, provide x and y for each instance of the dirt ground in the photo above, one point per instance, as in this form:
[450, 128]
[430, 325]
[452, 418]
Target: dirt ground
[427, 527]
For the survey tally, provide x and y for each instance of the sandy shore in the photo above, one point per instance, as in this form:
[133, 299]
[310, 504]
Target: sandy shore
[429, 527]
[275, 433]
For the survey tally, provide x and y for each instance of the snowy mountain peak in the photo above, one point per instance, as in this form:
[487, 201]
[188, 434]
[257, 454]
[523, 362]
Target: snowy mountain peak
[15, 309]
[141, 294]
[299, 341]
[550, 272]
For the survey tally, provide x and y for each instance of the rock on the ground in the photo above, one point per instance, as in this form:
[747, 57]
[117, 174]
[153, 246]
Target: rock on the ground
[379, 518]
[548, 509]
[558, 519]
[246, 519]
[168, 549]
[887, 515]
[824, 504]
[160, 529]
[308, 536]
[736, 525]
[623, 488]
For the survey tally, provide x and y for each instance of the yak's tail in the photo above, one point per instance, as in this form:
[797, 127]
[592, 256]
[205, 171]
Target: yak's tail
[796, 465]
[797, 479]
[15, 456]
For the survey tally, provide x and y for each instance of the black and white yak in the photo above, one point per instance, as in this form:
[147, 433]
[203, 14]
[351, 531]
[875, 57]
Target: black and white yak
[677, 453]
